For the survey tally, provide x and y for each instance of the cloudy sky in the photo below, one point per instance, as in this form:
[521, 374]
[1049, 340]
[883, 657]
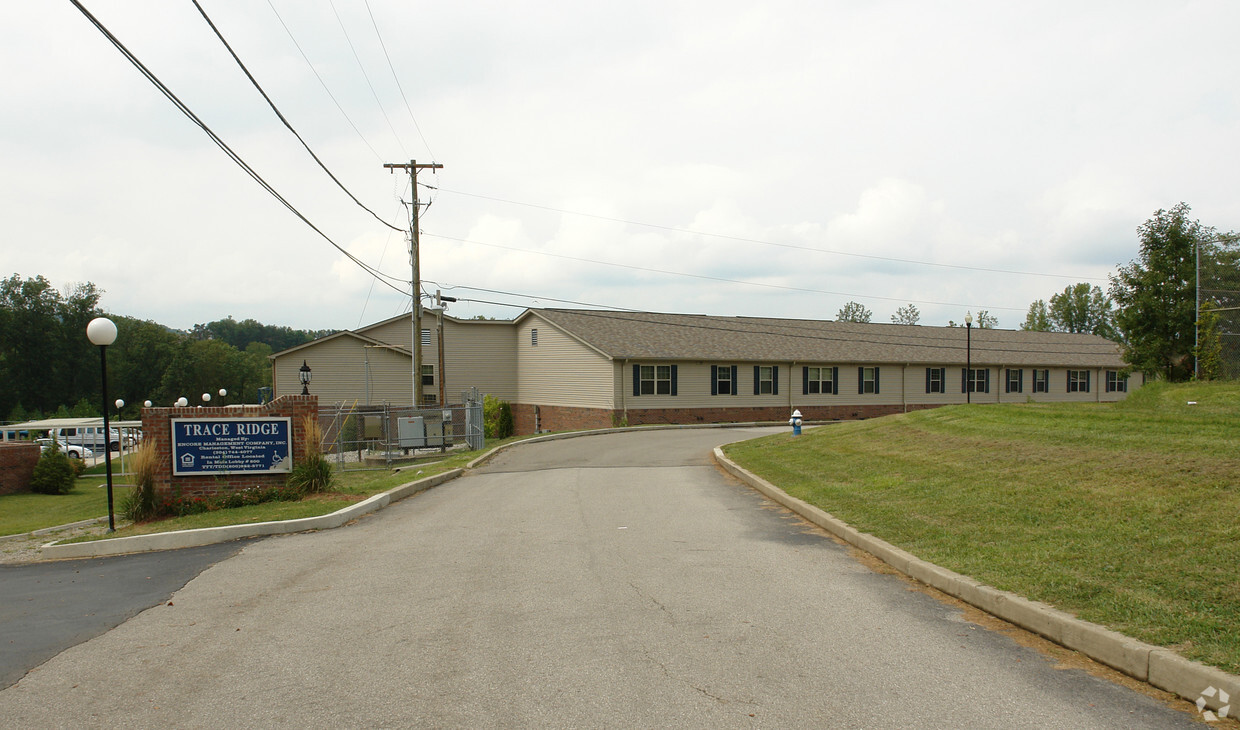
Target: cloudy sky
[733, 158]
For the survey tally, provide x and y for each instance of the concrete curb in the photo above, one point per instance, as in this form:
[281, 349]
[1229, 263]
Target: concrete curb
[212, 535]
[1159, 667]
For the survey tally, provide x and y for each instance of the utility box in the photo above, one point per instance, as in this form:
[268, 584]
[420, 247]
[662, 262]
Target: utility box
[372, 427]
[411, 432]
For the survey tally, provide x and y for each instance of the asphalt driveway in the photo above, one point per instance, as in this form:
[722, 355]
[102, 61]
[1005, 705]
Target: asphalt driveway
[608, 581]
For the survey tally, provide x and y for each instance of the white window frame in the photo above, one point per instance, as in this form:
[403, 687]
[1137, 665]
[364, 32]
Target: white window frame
[822, 383]
[657, 377]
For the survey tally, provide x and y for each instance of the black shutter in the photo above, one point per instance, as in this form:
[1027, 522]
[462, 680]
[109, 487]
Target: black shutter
[927, 380]
[986, 381]
[775, 380]
[714, 380]
[735, 390]
[804, 380]
[875, 381]
[860, 381]
[835, 381]
[637, 380]
[673, 380]
[1088, 373]
[1020, 381]
[964, 380]
[756, 374]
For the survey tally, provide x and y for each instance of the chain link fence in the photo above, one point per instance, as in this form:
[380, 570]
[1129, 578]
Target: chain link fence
[379, 437]
[1219, 297]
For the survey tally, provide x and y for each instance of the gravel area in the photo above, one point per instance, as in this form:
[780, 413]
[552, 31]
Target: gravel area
[28, 547]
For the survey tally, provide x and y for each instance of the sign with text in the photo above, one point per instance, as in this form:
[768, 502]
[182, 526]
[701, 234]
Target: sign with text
[231, 446]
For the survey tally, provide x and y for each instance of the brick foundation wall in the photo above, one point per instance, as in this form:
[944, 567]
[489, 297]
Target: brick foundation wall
[527, 419]
[561, 418]
[17, 460]
[157, 430]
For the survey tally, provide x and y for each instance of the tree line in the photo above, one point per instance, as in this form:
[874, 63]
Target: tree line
[49, 369]
[1151, 305]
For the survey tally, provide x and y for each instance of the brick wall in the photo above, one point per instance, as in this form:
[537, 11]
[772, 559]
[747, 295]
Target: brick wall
[560, 418]
[17, 460]
[157, 429]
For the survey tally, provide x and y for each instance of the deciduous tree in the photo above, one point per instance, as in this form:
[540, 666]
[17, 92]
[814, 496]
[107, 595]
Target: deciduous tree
[1082, 308]
[1039, 317]
[906, 315]
[1155, 294]
[854, 312]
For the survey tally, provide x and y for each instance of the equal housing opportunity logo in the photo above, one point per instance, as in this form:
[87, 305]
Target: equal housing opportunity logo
[1223, 698]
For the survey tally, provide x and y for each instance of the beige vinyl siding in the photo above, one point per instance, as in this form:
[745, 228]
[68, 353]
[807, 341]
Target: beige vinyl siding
[482, 355]
[891, 385]
[339, 373]
[915, 386]
[399, 330]
[560, 370]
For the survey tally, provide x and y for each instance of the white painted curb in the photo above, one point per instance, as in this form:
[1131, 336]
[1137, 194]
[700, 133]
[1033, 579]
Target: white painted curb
[1160, 667]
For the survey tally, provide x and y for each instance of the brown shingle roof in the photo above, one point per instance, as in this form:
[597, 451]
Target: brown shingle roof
[654, 336]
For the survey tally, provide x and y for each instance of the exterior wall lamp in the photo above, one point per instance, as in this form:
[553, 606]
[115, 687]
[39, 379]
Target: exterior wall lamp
[304, 373]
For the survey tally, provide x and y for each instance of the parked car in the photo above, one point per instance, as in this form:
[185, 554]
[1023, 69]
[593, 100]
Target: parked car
[90, 437]
[74, 451]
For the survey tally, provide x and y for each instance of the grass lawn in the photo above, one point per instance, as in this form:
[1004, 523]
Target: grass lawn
[26, 512]
[1127, 515]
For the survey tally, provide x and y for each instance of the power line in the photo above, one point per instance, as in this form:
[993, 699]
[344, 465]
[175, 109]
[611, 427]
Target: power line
[283, 120]
[791, 330]
[397, 80]
[781, 287]
[776, 244]
[150, 76]
[525, 296]
[322, 82]
[365, 75]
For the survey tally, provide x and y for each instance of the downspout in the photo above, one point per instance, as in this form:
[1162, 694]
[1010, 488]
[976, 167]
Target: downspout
[904, 386]
[624, 403]
[792, 367]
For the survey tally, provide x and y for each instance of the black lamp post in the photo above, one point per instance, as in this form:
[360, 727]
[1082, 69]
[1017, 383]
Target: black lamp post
[102, 332]
[968, 357]
[304, 374]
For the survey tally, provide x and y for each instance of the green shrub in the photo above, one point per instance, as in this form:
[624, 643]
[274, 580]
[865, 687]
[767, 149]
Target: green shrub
[496, 417]
[53, 474]
[312, 474]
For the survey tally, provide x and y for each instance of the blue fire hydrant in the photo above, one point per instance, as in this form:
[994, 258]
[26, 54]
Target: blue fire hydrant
[795, 422]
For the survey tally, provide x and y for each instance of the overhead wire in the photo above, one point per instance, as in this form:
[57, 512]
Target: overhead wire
[219, 142]
[781, 287]
[741, 239]
[322, 82]
[791, 331]
[366, 76]
[282, 118]
[395, 78]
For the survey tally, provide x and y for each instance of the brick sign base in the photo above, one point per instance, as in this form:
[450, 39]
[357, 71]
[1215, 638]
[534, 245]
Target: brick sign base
[157, 429]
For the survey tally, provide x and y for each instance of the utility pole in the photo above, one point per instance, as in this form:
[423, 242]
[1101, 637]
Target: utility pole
[413, 167]
[441, 304]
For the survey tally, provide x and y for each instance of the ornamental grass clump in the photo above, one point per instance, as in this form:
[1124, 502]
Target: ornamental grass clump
[140, 504]
[314, 472]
